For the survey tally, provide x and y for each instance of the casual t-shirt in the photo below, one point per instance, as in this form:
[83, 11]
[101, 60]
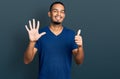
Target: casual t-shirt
[55, 54]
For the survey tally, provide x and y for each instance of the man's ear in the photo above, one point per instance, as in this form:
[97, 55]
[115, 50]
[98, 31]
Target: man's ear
[49, 14]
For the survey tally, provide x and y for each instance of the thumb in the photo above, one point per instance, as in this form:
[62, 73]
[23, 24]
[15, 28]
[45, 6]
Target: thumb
[41, 34]
[79, 31]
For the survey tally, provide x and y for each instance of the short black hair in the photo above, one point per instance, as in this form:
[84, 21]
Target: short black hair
[56, 2]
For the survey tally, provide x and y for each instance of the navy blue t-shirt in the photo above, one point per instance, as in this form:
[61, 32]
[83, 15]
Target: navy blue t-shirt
[55, 54]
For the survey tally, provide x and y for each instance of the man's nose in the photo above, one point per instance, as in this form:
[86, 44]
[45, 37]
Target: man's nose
[58, 13]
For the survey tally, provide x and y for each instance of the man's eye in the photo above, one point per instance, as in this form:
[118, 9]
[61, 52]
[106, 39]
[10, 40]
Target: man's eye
[62, 11]
[54, 11]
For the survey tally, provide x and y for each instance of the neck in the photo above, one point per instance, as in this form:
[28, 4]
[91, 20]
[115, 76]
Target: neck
[54, 27]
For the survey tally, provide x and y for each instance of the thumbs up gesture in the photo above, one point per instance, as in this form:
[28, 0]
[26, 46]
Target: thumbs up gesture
[78, 38]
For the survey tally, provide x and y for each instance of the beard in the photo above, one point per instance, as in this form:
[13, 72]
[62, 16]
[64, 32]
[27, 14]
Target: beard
[57, 23]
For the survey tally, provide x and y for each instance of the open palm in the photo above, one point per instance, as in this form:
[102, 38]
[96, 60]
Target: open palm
[33, 31]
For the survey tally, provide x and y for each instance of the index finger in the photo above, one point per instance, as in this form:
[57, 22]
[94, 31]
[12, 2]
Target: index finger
[38, 24]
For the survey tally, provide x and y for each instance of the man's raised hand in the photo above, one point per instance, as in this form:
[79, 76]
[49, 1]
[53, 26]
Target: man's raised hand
[33, 31]
[78, 38]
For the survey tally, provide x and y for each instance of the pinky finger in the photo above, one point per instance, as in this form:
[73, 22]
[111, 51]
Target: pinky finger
[26, 28]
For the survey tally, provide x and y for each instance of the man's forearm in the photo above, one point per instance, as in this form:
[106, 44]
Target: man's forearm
[29, 53]
[79, 57]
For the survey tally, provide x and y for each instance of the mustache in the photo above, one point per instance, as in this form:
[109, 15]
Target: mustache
[58, 16]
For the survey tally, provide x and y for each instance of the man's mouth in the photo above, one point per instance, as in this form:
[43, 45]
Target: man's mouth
[57, 18]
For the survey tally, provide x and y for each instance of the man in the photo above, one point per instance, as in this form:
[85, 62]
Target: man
[55, 44]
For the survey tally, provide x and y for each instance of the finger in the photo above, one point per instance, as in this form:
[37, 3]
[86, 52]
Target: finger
[33, 23]
[30, 24]
[41, 34]
[26, 28]
[38, 24]
[79, 31]
[78, 36]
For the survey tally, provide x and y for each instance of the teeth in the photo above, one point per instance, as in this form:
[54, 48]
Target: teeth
[57, 18]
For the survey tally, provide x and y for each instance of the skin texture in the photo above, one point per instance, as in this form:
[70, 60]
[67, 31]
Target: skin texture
[57, 15]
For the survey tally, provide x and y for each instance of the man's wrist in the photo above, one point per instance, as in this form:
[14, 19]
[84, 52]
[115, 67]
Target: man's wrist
[80, 46]
[32, 42]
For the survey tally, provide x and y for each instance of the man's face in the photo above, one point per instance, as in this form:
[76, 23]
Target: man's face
[57, 14]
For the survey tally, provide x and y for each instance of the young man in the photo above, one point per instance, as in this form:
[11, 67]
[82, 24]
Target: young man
[55, 44]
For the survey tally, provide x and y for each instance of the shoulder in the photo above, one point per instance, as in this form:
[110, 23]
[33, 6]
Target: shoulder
[43, 29]
[69, 31]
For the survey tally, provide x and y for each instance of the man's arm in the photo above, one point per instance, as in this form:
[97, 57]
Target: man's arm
[78, 53]
[33, 37]
[30, 53]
